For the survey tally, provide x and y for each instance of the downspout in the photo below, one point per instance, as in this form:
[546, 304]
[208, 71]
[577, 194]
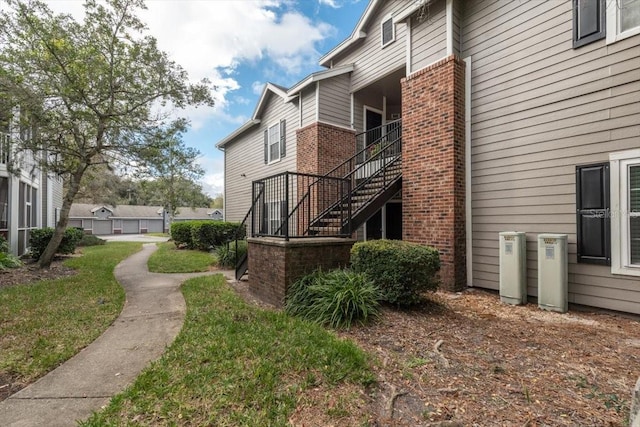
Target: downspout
[467, 170]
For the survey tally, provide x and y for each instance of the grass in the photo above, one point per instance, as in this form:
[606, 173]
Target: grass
[169, 259]
[45, 323]
[234, 364]
[157, 234]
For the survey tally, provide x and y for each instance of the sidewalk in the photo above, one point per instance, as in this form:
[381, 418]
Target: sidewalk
[150, 320]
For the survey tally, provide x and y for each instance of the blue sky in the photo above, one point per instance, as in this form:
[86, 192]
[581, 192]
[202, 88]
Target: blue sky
[240, 45]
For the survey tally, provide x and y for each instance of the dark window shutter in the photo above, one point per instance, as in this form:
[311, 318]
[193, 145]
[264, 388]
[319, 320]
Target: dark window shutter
[589, 21]
[266, 146]
[283, 138]
[387, 31]
[593, 214]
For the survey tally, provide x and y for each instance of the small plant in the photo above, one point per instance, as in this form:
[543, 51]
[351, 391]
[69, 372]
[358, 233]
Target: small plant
[91, 240]
[335, 298]
[226, 253]
[402, 270]
[40, 239]
[7, 259]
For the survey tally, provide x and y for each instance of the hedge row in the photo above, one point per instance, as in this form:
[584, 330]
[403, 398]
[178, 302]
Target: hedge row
[204, 235]
[401, 270]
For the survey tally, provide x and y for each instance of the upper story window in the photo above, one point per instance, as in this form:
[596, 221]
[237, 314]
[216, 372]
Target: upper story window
[589, 21]
[625, 212]
[623, 19]
[275, 142]
[388, 31]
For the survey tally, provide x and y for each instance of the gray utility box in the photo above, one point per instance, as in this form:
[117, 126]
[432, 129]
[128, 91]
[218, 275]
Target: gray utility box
[513, 267]
[553, 273]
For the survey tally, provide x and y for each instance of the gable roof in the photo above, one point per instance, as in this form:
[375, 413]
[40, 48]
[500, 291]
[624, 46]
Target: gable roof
[319, 75]
[269, 88]
[357, 34]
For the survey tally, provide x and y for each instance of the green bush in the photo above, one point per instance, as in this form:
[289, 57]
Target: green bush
[335, 298]
[181, 233]
[402, 270]
[205, 234]
[226, 253]
[7, 260]
[40, 238]
[91, 240]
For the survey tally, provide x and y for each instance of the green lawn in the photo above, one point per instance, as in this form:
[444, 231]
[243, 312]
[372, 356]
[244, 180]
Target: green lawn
[45, 323]
[237, 365]
[169, 259]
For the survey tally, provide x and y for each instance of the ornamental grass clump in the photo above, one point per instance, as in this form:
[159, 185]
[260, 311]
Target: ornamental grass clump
[401, 270]
[336, 298]
[226, 253]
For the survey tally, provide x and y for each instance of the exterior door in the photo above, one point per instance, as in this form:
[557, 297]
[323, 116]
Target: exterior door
[373, 126]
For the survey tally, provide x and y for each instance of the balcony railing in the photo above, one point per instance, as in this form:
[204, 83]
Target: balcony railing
[286, 203]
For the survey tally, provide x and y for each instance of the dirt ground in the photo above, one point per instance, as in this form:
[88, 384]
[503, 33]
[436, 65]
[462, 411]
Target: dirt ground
[30, 273]
[466, 359]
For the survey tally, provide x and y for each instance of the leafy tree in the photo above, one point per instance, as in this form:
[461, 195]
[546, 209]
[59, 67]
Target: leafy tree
[218, 201]
[93, 88]
[173, 168]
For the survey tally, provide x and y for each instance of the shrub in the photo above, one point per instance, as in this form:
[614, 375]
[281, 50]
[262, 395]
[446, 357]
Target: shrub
[39, 239]
[7, 260]
[402, 270]
[335, 298]
[204, 235]
[91, 240]
[181, 233]
[226, 253]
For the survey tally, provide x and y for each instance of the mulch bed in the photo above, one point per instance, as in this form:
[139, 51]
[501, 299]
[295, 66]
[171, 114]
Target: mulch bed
[30, 273]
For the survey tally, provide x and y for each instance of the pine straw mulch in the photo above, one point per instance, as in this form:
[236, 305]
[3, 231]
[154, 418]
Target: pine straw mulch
[466, 359]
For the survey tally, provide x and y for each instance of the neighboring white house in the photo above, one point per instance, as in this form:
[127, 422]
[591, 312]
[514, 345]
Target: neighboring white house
[29, 198]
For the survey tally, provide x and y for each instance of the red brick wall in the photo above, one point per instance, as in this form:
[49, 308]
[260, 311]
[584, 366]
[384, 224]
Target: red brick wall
[274, 264]
[322, 147]
[433, 159]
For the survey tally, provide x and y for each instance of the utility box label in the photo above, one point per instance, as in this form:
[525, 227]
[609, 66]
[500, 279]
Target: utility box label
[508, 248]
[549, 252]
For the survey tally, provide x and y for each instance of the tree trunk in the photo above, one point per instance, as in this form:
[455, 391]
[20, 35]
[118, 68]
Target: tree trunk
[74, 185]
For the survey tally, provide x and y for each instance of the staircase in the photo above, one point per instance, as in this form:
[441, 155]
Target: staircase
[334, 204]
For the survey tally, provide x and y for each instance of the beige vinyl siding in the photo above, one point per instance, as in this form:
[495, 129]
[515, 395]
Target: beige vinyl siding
[372, 61]
[308, 105]
[429, 37]
[246, 156]
[539, 108]
[335, 101]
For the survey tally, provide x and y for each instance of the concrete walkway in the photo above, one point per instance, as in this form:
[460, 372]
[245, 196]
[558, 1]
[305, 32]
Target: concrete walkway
[152, 317]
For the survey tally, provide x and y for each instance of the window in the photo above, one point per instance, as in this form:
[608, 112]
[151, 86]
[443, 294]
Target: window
[388, 31]
[625, 214]
[623, 19]
[274, 218]
[589, 21]
[275, 142]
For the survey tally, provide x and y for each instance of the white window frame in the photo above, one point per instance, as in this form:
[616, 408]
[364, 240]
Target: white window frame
[273, 221]
[620, 212]
[271, 143]
[393, 31]
[614, 32]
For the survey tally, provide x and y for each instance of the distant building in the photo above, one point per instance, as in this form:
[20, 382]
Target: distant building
[130, 219]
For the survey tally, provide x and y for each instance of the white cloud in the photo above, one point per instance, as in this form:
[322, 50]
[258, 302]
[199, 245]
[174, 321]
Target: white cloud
[257, 87]
[330, 3]
[211, 38]
[213, 180]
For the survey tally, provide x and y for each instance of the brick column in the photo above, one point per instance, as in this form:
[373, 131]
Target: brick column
[433, 164]
[321, 147]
